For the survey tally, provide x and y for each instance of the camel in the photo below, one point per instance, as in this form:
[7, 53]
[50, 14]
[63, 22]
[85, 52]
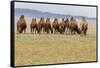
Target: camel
[55, 25]
[84, 26]
[21, 25]
[48, 26]
[73, 26]
[41, 25]
[33, 26]
[62, 26]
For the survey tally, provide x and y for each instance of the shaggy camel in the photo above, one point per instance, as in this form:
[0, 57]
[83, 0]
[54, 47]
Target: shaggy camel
[73, 26]
[21, 25]
[48, 26]
[33, 26]
[55, 25]
[41, 25]
[62, 26]
[66, 28]
[84, 26]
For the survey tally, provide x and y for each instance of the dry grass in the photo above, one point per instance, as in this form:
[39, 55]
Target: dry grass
[33, 49]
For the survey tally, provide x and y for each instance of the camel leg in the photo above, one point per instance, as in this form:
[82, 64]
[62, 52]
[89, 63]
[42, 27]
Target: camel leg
[31, 29]
[38, 29]
[55, 30]
[85, 32]
[67, 30]
[51, 31]
[43, 30]
[25, 31]
[47, 30]
[71, 32]
[21, 30]
[35, 30]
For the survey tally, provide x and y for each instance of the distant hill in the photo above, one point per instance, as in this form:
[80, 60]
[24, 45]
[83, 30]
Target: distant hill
[39, 14]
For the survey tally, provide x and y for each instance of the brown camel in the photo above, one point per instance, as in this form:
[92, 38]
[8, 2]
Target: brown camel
[33, 26]
[73, 26]
[66, 27]
[48, 26]
[55, 25]
[84, 26]
[41, 25]
[21, 25]
[62, 26]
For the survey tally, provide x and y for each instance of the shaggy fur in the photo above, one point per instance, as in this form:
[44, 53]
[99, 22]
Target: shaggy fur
[21, 25]
[84, 26]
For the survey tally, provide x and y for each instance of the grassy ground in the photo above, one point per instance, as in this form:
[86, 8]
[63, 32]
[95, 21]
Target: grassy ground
[33, 49]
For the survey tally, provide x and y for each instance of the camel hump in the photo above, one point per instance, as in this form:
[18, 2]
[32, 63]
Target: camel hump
[48, 20]
[63, 20]
[73, 19]
[33, 19]
[41, 20]
[21, 19]
[67, 20]
[55, 20]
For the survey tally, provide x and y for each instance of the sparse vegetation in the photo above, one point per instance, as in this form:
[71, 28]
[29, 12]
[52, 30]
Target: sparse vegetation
[33, 49]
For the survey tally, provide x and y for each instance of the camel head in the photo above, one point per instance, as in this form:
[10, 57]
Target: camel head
[66, 21]
[48, 19]
[55, 19]
[22, 17]
[83, 18]
[71, 18]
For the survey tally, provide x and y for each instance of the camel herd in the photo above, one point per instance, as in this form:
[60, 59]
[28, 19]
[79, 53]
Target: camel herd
[65, 26]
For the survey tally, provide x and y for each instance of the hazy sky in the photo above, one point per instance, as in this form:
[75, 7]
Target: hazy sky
[59, 9]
